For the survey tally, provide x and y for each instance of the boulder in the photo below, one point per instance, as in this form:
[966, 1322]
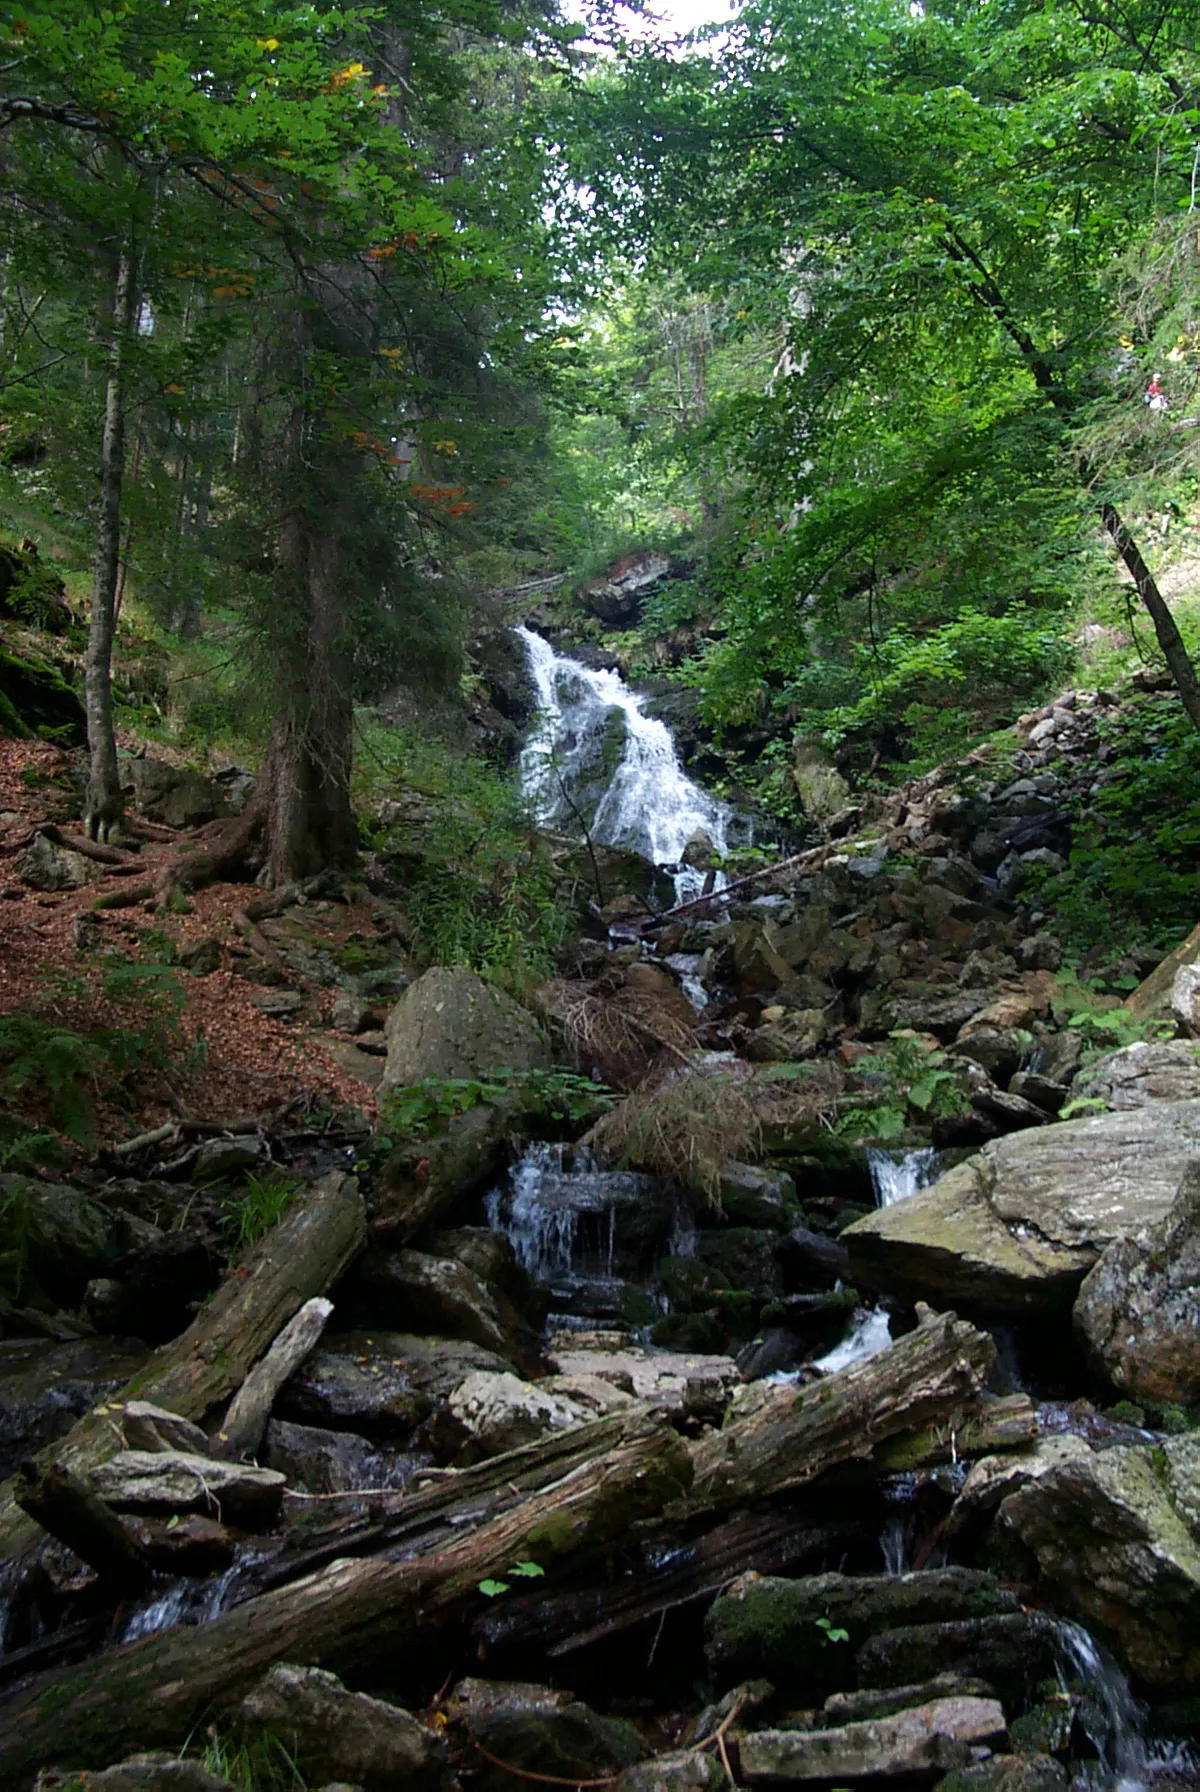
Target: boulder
[149, 1427]
[501, 1412]
[144, 1773]
[341, 1735]
[618, 597]
[45, 1387]
[1114, 1533]
[1017, 1228]
[433, 1294]
[1138, 1311]
[669, 1381]
[1184, 1001]
[451, 1024]
[177, 1481]
[424, 1178]
[1012, 1651]
[1008, 1773]
[45, 866]
[321, 1461]
[765, 1628]
[383, 1385]
[175, 796]
[1152, 996]
[928, 1739]
[67, 1238]
[565, 1739]
[36, 699]
[350, 1014]
[1166, 1070]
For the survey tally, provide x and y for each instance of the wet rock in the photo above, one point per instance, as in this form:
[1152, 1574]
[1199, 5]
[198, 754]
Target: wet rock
[67, 1238]
[745, 1257]
[568, 1740]
[1017, 1228]
[343, 1735]
[219, 1158]
[192, 1544]
[45, 866]
[383, 1384]
[1114, 1533]
[853, 1707]
[680, 1771]
[811, 1261]
[775, 1351]
[320, 1461]
[1167, 1070]
[766, 1628]
[149, 1427]
[45, 1387]
[176, 797]
[1012, 1651]
[450, 1023]
[175, 1481]
[423, 1179]
[930, 1738]
[1008, 1773]
[699, 853]
[501, 1412]
[434, 1294]
[1138, 1311]
[142, 1773]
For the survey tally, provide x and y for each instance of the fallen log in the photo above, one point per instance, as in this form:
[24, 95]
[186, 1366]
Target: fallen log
[69, 1509]
[346, 1618]
[786, 1437]
[250, 1408]
[319, 1235]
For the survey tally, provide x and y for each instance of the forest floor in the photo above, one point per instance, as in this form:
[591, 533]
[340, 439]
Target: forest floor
[228, 1059]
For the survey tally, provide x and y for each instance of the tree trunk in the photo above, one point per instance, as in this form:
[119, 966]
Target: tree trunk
[347, 1618]
[1169, 639]
[316, 1239]
[103, 805]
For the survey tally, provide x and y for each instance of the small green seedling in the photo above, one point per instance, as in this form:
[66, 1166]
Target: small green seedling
[491, 1589]
[833, 1632]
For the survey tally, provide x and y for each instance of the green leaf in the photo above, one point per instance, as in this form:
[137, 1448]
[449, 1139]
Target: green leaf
[491, 1588]
[527, 1570]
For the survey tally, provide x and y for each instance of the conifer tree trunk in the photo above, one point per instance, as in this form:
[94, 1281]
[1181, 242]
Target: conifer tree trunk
[103, 805]
[1179, 661]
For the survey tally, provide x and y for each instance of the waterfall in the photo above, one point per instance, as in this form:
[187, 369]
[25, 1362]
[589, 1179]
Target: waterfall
[896, 1178]
[593, 753]
[1119, 1737]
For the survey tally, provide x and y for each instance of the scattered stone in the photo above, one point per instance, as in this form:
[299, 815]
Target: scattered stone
[565, 1739]
[278, 1004]
[502, 1412]
[684, 1770]
[149, 1427]
[345, 1735]
[218, 1158]
[853, 1707]
[350, 1014]
[1166, 1070]
[176, 797]
[383, 1384]
[667, 1380]
[46, 1386]
[321, 1461]
[176, 1481]
[201, 957]
[930, 1738]
[45, 866]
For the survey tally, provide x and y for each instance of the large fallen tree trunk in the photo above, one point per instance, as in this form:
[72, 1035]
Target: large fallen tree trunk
[349, 1617]
[320, 1234]
[933, 1379]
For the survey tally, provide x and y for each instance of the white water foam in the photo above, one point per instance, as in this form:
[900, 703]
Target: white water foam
[649, 805]
[868, 1335]
[896, 1178]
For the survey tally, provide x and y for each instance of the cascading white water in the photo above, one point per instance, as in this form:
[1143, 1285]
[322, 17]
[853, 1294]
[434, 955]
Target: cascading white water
[594, 752]
[1126, 1759]
[868, 1335]
[896, 1178]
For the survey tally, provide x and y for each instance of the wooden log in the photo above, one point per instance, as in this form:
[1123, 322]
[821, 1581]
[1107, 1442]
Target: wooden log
[321, 1232]
[150, 1693]
[250, 1408]
[1007, 1424]
[788, 1436]
[68, 1508]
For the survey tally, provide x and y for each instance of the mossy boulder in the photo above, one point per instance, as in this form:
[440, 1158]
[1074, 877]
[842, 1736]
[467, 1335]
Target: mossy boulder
[36, 701]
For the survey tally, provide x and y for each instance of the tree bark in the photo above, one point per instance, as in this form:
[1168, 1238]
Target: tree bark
[934, 1377]
[346, 1618]
[103, 804]
[66, 1507]
[1169, 639]
[306, 1251]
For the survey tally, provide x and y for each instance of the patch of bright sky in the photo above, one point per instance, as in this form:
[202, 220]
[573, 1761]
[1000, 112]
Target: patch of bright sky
[663, 19]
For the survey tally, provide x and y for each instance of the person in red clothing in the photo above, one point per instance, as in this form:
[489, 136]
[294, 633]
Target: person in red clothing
[1154, 395]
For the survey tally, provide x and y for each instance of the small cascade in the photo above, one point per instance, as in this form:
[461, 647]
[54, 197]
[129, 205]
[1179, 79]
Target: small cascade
[187, 1601]
[868, 1335]
[1125, 1758]
[593, 753]
[896, 1178]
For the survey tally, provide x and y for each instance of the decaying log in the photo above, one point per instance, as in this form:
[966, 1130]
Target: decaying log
[250, 1408]
[788, 1436]
[67, 1507]
[1007, 1424]
[320, 1234]
[150, 1693]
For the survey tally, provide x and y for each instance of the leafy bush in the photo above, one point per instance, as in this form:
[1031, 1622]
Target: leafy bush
[412, 1112]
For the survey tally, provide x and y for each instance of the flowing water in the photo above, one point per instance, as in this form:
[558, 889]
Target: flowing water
[594, 755]
[896, 1178]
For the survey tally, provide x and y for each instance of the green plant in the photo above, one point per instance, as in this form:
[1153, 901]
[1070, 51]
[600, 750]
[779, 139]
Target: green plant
[491, 1589]
[833, 1632]
[413, 1111]
[257, 1761]
[905, 1084]
[249, 1215]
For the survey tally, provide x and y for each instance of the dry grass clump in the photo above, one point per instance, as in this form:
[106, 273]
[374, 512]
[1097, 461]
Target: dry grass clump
[620, 1027]
[685, 1123]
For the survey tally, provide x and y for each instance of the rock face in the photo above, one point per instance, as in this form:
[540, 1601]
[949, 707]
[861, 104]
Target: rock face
[501, 1412]
[435, 1294]
[1115, 1536]
[344, 1736]
[1138, 1311]
[450, 1023]
[176, 1481]
[930, 1739]
[1166, 1070]
[1017, 1228]
[320, 1461]
[174, 796]
[382, 1385]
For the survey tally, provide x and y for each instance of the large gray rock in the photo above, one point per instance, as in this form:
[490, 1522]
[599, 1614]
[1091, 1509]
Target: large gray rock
[144, 1773]
[766, 1628]
[1012, 1651]
[502, 1412]
[552, 1735]
[752, 1196]
[346, 1736]
[1115, 1537]
[176, 1481]
[433, 1294]
[383, 1384]
[1166, 1070]
[1018, 1227]
[1138, 1311]
[929, 1739]
[45, 866]
[321, 1461]
[450, 1024]
[171, 794]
